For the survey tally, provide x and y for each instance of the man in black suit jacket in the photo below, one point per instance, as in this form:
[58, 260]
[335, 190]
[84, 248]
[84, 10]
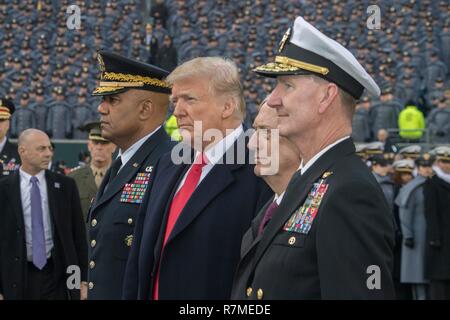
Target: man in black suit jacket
[39, 241]
[134, 107]
[9, 158]
[332, 235]
[190, 226]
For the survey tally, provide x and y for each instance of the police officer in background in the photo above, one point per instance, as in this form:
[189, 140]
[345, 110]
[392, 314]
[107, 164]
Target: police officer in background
[9, 157]
[88, 178]
[134, 107]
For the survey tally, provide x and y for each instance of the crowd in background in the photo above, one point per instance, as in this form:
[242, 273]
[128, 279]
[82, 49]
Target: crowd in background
[49, 70]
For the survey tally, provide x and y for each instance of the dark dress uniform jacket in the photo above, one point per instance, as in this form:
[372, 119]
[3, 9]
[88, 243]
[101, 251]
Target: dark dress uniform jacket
[437, 215]
[352, 230]
[68, 230]
[202, 252]
[111, 220]
[8, 155]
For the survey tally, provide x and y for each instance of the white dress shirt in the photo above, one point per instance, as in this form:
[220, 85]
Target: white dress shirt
[278, 198]
[2, 144]
[25, 192]
[305, 167]
[215, 154]
[129, 153]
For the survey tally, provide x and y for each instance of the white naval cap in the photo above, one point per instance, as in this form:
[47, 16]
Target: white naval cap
[405, 165]
[306, 50]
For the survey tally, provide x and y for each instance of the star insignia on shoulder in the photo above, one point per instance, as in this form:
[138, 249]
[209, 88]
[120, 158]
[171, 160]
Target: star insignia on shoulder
[327, 174]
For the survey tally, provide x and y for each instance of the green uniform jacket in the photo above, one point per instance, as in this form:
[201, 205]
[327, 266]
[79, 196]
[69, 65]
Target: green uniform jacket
[84, 178]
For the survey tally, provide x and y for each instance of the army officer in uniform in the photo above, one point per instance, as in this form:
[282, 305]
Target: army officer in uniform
[89, 178]
[332, 235]
[134, 107]
[9, 157]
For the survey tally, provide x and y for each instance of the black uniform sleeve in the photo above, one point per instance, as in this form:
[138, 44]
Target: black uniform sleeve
[79, 231]
[354, 233]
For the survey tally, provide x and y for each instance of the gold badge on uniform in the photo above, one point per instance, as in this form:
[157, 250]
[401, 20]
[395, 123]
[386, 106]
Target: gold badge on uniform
[285, 38]
[101, 64]
[128, 240]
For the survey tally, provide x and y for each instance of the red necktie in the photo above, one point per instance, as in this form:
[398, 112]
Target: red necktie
[178, 203]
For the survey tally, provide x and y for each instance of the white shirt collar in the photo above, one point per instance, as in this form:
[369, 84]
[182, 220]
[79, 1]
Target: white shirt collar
[305, 167]
[278, 198]
[2, 143]
[129, 153]
[216, 152]
[26, 176]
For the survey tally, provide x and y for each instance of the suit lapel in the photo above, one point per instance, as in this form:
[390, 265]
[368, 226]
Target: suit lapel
[297, 191]
[253, 238]
[170, 188]
[203, 195]
[128, 171]
[209, 189]
[52, 199]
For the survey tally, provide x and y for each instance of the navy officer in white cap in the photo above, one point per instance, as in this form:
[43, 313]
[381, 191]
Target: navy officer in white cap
[332, 235]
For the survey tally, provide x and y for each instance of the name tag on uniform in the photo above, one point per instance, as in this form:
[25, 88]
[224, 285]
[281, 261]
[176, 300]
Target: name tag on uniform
[302, 219]
[134, 192]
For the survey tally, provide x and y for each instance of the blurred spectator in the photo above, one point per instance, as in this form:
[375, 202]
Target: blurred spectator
[59, 124]
[411, 123]
[384, 114]
[383, 137]
[151, 43]
[40, 109]
[437, 214]
[159, 11]
[23, 118]
[438, 122]
[403, 174]
[361, 122]
[167, 57]
[411, 205]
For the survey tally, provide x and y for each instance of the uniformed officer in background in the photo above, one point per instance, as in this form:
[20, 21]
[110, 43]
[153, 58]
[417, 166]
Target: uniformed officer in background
[89, 177]
[133, 110]
[9, 157]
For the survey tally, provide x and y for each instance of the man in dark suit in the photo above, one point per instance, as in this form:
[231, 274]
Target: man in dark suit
[134, 107]
[41, 228]
[9, 158]
[190, 227]
[332, 235]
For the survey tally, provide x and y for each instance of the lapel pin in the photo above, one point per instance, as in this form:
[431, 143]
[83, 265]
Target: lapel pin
[135, 164]
[149, 169]
[57, 185]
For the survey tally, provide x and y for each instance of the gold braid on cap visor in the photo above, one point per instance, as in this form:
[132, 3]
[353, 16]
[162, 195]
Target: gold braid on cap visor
[285, 64]
[4, 113]
[118, 81]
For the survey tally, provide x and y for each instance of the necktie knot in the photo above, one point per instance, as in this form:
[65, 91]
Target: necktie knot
[34, 180]
[200, 161]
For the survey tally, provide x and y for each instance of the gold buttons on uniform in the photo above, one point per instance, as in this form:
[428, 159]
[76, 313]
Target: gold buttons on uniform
[259, 294]
[249, 291]
[94, 222]
[93, 243]
[91, 285]
[291, 240]
[92, 264]
[130, 221]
